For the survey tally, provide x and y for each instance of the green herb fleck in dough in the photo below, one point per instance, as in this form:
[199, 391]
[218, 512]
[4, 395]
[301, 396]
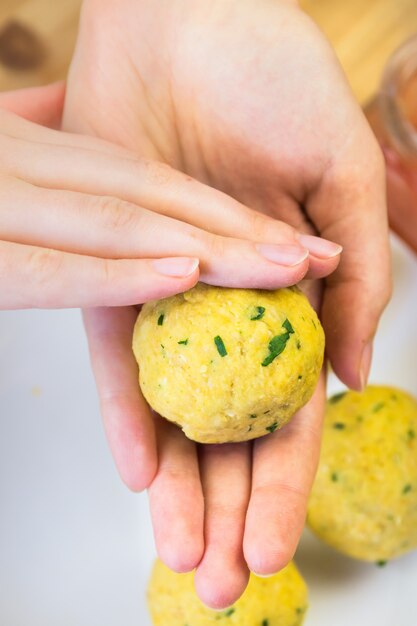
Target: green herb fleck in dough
[250, 428]
[298, 345]
[275, 347]
[183, 342]
[273, 427]
[411, 434]
[381, 563]
[278, 343]
[266, 412]
[339, 426]
[300, 610]
[288, 327]
[265, 622]
[258, 313]
[253, 416]
[162, 346]
[161, 319]
[378, 406]
[299, 377]
[221, 348]
[335, 477]
[313, 322]
[359, 418]
[337, 397]
[229, 612]
[407, 488]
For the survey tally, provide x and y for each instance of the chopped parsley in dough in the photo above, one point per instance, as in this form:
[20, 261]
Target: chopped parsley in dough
[364, 499]
[229, 354]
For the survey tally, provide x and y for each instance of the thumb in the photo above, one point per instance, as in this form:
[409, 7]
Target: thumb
[41, 105]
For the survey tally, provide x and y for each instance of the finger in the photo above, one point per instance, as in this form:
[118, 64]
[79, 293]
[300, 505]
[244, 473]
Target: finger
[127, 419]
[109, 228]
[31, 130]
[349, 207]
[222, 574]
[284, 465]
[176, 501]
[42, 105]
[52, 279]
[161, 189]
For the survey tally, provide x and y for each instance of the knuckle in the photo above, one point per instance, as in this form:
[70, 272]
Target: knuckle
[43, 264]
[116, 215]
[109, 272]
[281, 488]
[232, 510]
[42, 268]
[156, 173]
[175, 475]
[215, 245]
[257, 225]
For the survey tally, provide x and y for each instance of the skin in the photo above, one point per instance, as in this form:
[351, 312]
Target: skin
[249, 98]
[104, 172]
[97, 210]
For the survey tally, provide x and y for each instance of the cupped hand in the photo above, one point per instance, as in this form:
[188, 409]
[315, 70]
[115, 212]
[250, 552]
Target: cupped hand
[87, 223]
[215, 528]
[247, 97]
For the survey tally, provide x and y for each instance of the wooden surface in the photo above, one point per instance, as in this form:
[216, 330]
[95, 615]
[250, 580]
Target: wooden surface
[54, 24]
[363, 32]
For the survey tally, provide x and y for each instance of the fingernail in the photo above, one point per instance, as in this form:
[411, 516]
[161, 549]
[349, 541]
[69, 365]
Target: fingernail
[282, 255]
[262, 575]
[322, 248]
[365, 365]
[175, 266]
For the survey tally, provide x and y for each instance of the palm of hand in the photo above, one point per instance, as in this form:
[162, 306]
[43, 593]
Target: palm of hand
[230, 97]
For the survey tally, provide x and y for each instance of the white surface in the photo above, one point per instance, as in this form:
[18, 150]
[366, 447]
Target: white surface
[76, 546]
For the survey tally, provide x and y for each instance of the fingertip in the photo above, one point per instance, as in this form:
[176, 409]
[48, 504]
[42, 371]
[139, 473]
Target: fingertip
[320, 268]
[319, 247]
[267, 561]
[220, 587]
[170, 283]
[176, 267]
[131, 437]
[138, 477]
[181, 558]
[350, 314]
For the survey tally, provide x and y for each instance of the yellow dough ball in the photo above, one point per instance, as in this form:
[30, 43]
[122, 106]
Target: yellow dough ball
[228, 364]
[364, 499]
[280, 600]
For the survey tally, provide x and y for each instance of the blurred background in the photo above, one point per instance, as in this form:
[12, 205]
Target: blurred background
[75, 545]
[37, 38]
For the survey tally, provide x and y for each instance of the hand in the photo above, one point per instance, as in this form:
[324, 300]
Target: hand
[249, 98]
[74, 230]
[110, 330]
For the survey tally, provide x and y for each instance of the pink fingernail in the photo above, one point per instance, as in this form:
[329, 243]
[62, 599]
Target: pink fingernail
[322, 248]
[282, 255]
[365, 365]
[262, 575]
[179, 267]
